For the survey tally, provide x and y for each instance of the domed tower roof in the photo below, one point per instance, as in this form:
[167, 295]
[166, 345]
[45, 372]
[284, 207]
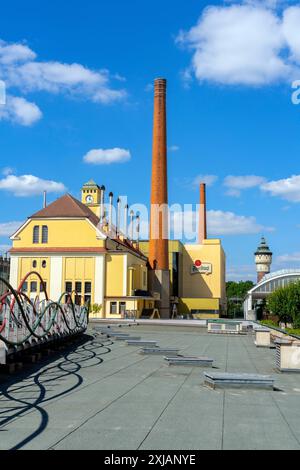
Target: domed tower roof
[263, 248]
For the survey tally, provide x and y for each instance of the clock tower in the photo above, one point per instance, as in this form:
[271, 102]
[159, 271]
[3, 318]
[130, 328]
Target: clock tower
[91, 196]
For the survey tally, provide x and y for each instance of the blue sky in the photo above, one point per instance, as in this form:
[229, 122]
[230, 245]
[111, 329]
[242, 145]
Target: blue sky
[79, 78]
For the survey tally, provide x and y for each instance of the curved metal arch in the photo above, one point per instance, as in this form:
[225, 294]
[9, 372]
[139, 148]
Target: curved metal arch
[275, 276]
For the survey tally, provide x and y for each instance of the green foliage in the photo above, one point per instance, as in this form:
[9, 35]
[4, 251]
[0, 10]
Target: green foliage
[293, 331]
[96, 308]
[238, 289]
[285, 303]
[269, 323]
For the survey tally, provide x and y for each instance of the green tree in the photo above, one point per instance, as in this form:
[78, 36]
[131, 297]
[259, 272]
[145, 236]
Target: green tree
[285, 303]
[238, 289]
[236, 292]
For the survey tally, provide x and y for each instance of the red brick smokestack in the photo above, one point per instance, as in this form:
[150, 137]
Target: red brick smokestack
[202, 214]
[158, 249]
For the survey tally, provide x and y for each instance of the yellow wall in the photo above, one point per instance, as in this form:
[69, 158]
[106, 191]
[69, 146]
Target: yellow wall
[202, 285]
[62, 233]
[198, 291]
[188, 304]
[25, 265]
[114, 275]
[79, 270]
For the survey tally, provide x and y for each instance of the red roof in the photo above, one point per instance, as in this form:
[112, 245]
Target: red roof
[69, 207]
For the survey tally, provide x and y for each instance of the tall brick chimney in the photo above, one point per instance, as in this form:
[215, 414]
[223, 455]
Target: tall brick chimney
[202, 214]
[159, 243]
[158, 250]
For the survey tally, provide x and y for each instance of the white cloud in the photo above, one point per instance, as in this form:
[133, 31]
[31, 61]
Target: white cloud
[291, 21]
[12, 53]
[20, 111]
[107, 156]
[289, 258]
[55, 77]
[185, 224]
[245, 44]
[209, 180]
[288, 189]
[238, 183]
[22, 72]
[194, 183]
[29, 185]
[9, 228]
[241, 273]
[228, 223]
[7, 171]
[173, 148]
[4, 249]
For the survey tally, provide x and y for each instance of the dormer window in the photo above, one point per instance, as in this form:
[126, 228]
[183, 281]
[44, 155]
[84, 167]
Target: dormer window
[36, 234]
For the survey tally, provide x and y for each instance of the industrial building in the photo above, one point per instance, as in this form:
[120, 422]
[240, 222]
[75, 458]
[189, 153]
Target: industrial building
[77, 247]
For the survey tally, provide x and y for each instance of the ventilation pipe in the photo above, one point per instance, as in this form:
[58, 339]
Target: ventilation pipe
[110, 215]
[131, 224]
[118, 216]
[102, 208]
[126, 221]
[138, 228]
[45, 200]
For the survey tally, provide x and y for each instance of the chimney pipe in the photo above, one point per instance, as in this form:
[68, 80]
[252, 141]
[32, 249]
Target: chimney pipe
[131, 224]
[159, 245]
[110, 212]
[138, 228]
[102, 208]
[202, 214]
[126, 221]
[45, 200]
[118, 217]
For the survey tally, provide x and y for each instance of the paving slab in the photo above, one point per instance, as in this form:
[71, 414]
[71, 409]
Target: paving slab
[103, 395]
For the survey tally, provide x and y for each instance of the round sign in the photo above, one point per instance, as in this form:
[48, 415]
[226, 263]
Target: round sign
[198, 263]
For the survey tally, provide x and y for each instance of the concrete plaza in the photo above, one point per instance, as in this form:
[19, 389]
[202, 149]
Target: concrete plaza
[104, 395]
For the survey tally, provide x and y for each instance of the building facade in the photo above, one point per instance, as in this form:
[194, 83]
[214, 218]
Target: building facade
[4, 273]
[197, 277]
[74, 253]
[269, 283]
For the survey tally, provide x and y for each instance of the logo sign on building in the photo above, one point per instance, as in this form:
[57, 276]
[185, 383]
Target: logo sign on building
[202, 268]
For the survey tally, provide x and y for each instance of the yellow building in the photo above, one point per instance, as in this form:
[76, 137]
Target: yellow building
[197, 273]
[75, 248]
[72, 251]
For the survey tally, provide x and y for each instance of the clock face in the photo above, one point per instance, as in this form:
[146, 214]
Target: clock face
[89, 199]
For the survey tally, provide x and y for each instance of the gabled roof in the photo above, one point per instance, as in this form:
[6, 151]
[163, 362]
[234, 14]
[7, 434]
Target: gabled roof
[69, 207]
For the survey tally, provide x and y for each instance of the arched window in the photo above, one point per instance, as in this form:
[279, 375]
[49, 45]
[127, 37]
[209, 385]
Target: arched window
[44, 234]
[36, 234]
